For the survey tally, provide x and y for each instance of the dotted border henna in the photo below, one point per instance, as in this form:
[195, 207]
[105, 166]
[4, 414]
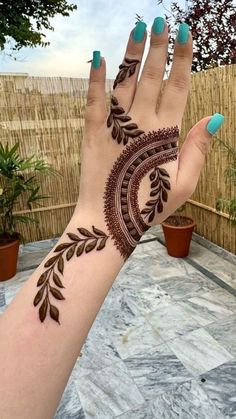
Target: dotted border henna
[122, 215]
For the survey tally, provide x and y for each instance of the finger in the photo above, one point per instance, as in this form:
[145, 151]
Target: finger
[126, 80]
[193, 152]
[96, 98]
[175, 94]
[153, 72]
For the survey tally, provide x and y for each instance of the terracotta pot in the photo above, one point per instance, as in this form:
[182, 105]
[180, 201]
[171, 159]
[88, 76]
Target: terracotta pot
[8, 259]
[178, 238]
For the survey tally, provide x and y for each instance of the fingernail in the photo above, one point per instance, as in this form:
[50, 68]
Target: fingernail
[158, 25]
[215, 123]
[96, 59]
[183, 33]
[139, 32]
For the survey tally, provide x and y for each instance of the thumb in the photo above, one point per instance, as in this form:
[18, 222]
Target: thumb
[194, 149]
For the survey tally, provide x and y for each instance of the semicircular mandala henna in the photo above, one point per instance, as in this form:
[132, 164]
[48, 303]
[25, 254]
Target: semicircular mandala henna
[85, 242]
[126, 69]
[122, 128]
[122, 215]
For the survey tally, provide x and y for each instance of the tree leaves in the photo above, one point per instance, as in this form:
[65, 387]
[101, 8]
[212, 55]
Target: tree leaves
[122, 128]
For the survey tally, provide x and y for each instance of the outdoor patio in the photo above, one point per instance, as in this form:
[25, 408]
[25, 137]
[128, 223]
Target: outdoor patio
[164, 342]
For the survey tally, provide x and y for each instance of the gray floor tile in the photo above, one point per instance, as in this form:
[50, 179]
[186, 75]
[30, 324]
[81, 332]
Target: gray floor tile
[204, 310]
[97, 353]
[187, 401]
[108, 393]
[220, 385]
[70, 405]
[224, 331]
[187, 286]
[199, 351]
[156, 371]
[171, 320]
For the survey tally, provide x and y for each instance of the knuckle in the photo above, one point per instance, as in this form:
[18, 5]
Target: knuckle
[179, 82]
[152, 73]
[92, 100]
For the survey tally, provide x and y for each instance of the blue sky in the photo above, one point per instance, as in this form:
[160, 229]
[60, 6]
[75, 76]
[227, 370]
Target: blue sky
[97, 25]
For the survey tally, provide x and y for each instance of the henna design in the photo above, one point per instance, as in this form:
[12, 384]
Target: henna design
[85, 242]
[121, 133]
[159, 186]
[127, 68]
[123, 218]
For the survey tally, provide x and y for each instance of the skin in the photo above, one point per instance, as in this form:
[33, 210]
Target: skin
[36, 358]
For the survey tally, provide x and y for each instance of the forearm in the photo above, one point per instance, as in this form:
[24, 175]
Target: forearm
[36, 357]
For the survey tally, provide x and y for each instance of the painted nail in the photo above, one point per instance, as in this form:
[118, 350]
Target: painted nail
[139, 32]
[96, 59]
[215, 123]
[183, 33]
[158, 25]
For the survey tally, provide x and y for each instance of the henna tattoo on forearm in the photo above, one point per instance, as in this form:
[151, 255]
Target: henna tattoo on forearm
[122, 129]
[123, 217]
[159, 187]
[126, 69]
[84, 242]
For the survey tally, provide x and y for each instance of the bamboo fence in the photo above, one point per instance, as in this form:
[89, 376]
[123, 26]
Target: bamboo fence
[46, 117]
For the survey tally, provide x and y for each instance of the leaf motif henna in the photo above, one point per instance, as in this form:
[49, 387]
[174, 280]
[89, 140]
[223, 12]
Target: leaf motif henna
[86, 241]
[123, 217]
[126, 69]
[159, 187]
[122, 128]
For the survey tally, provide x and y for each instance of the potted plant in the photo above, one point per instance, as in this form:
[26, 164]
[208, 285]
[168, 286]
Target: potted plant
[17, 181]
[178, 230]
[228, 204]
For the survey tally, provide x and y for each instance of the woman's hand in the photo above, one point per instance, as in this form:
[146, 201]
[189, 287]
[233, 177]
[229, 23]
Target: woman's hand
[133, 174]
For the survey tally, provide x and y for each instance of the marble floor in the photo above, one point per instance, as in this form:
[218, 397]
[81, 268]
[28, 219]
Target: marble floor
[164, 342]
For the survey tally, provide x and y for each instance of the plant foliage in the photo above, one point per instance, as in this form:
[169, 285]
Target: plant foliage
[18, 180]
[213, 27]
[228, 204]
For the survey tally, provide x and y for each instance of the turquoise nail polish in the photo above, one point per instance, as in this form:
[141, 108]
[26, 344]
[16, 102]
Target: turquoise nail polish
[96, 59]
[183, 33]
[158, 25]
[215, 123]
[139, 32]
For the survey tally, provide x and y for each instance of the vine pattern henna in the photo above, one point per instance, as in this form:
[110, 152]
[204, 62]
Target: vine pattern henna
[126, 69]
[122, 215]
[122, 129]
[85, 242]
[159, 187]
